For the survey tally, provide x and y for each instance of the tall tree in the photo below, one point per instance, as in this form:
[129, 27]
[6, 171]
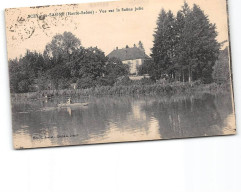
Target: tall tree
[62, 47]
[185, 46]
[221, 70]
[61, 55]
[178, 58]
[92, 67]
[162, 51]
[202, 48]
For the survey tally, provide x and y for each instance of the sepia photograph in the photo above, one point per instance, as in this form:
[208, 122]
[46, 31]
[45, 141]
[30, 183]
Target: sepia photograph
[121, 71]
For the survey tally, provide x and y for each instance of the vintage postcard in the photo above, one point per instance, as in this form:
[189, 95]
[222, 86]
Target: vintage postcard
[119, 71]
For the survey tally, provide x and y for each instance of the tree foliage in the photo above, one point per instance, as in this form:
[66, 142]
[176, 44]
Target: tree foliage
[91, 67]
[164, 37]
[62, 47]
[113, 70]
[147, 68]
[23, 71]
[221, 70]
[185, 46]
[64, 61]
[184, 49]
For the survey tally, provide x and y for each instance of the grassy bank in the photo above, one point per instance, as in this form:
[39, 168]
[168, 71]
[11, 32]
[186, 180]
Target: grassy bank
[152, 89]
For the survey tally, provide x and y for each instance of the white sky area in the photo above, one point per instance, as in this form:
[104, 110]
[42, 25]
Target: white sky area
[104, 30]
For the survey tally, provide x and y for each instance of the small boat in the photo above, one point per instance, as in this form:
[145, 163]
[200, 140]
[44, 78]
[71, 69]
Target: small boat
[72, 105]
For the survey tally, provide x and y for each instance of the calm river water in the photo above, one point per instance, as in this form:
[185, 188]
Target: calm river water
[116, 119]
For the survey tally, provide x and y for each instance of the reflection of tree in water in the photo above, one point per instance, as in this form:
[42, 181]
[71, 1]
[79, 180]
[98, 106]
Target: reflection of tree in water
[174, 118]
[224, 105]
[191, 117]
[84, 122]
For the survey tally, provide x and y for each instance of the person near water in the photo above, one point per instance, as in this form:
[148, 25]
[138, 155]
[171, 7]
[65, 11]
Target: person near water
[69, 101]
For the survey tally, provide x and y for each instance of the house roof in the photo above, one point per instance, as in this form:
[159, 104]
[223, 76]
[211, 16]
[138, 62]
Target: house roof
[128, 54]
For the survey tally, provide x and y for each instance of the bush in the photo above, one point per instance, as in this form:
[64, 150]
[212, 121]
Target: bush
[162, 81]
[63, 84]
[125, 81]
[23, 86]
[146, 81]
[85, 83]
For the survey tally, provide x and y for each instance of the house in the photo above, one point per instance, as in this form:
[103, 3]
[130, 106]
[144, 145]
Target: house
[133, 56]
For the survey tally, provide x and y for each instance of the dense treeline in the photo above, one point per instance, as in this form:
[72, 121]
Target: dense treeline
[185, 46]
[63, 62]
[185, 49]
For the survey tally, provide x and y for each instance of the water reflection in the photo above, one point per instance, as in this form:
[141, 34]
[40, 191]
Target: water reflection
[118, 119]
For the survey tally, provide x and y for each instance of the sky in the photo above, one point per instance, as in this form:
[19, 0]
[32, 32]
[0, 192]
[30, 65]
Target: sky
[104, 30]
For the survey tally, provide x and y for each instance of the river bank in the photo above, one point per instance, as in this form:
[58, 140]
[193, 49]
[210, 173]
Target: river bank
[169, 89]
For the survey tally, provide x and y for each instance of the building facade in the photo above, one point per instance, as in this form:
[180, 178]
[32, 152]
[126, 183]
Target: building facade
[133, 56]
